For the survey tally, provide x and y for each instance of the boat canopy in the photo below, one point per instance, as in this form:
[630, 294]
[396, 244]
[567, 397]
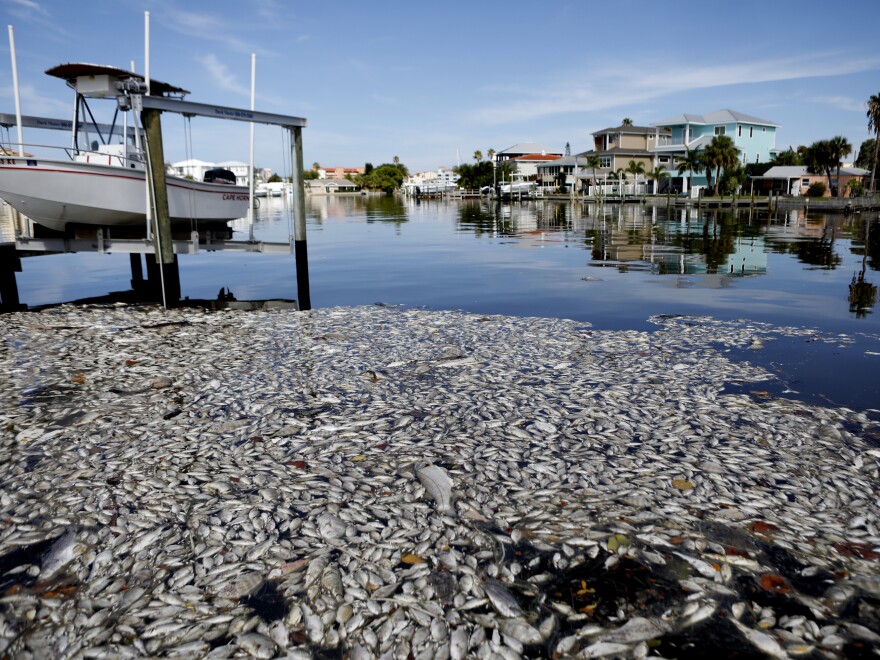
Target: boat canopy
[72, 72]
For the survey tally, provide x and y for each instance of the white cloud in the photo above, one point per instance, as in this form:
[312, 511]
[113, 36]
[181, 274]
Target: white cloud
[221, 75]
[204, 26]
[842, 103]
[28, 5]
[605, 85]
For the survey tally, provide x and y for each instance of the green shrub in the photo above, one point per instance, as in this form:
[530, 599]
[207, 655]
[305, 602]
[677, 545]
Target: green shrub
[816, 189]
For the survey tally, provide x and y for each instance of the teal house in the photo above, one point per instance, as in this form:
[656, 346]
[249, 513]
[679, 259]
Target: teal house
[755, 138]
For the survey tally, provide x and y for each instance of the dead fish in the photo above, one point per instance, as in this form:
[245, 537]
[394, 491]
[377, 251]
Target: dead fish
[502, 600]
[437, 484]
[63, 551]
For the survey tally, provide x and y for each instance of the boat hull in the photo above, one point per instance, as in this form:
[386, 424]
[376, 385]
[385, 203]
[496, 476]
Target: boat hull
[55, 193]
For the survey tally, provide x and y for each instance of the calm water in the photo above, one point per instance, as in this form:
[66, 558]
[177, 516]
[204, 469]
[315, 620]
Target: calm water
[613, 266]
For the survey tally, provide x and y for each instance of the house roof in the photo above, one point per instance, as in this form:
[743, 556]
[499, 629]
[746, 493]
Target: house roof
[724, 116]
[797, 171]
[527, 148]
[192, 162]
[538, 157]
[616, 151]
[578, 160]
[232, 163]
[632, 130]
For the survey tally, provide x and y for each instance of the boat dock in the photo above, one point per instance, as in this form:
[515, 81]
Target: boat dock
[19, 240]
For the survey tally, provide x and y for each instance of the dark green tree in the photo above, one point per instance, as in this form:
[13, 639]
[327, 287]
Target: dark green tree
[865, 158]
[874, 126]
[692, 162]
[820, 159]
[721, 154]
[788, 157]
[840, 148]
[387, 178]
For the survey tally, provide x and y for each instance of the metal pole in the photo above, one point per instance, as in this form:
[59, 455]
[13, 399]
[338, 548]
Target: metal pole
[250, 215]
[15, 90]
[299, 220]
[149, 219]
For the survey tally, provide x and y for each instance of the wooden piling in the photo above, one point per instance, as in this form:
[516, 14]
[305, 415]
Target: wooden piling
[169, 275]
[300, 245]
[10, 264]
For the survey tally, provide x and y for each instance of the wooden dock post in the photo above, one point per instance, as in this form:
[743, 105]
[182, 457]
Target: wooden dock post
[10, 264]
[300, 245]
[170, 275]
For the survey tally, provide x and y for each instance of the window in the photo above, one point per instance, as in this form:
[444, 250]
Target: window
[739, 131]
[751, 131]
[606, 161]
[805, 182]
[719, 130]
[664, 159]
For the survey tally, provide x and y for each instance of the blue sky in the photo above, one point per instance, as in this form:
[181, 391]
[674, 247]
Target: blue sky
[432, 83]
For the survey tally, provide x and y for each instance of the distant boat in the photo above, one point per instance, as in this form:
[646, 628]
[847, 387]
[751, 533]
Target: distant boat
[104, 185]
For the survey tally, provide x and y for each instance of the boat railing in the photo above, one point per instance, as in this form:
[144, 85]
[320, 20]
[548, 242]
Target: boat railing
[34, 150]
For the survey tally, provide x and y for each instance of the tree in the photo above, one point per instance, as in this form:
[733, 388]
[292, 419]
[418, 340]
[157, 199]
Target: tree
[594, 163]
[567, 149]
[478, 156]
[396, 160]
[865, 158]
[839, 148]
[636, 168]
[620, 175]
[368, 167]
[658, 174]
[490, 154]
[473, 177]
[316, 166]
[275, 178]
[387, 177]
[626, 122]
[819, 159]
[788, 157]
[692, 162]
[721, 154]
[874, 126]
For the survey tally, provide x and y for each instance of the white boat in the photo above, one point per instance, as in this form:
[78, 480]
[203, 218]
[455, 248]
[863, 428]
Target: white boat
[518, 185]
[105, 184]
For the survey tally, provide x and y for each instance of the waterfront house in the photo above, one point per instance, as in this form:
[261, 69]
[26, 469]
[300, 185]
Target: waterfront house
[329, 186]
[754, 138]
[618, 146]
[239, 169]
[527, 156]
[340, 172]
[796, 180]
[573, 167]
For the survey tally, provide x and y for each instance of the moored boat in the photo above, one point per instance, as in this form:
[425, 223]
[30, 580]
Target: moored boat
[104, 185]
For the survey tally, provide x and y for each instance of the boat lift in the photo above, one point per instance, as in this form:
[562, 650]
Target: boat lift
[164, 247]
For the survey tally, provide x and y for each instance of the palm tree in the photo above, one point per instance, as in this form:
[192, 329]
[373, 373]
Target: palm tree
[478, 156]
[490, 154]
[692, 162]
[874, 125]
[840, 148]
[658, 174]
[636, 168]
[720, 154]
[316, 166]
[626, 122]
[819, 159]
[594, 163]
[620, 174]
